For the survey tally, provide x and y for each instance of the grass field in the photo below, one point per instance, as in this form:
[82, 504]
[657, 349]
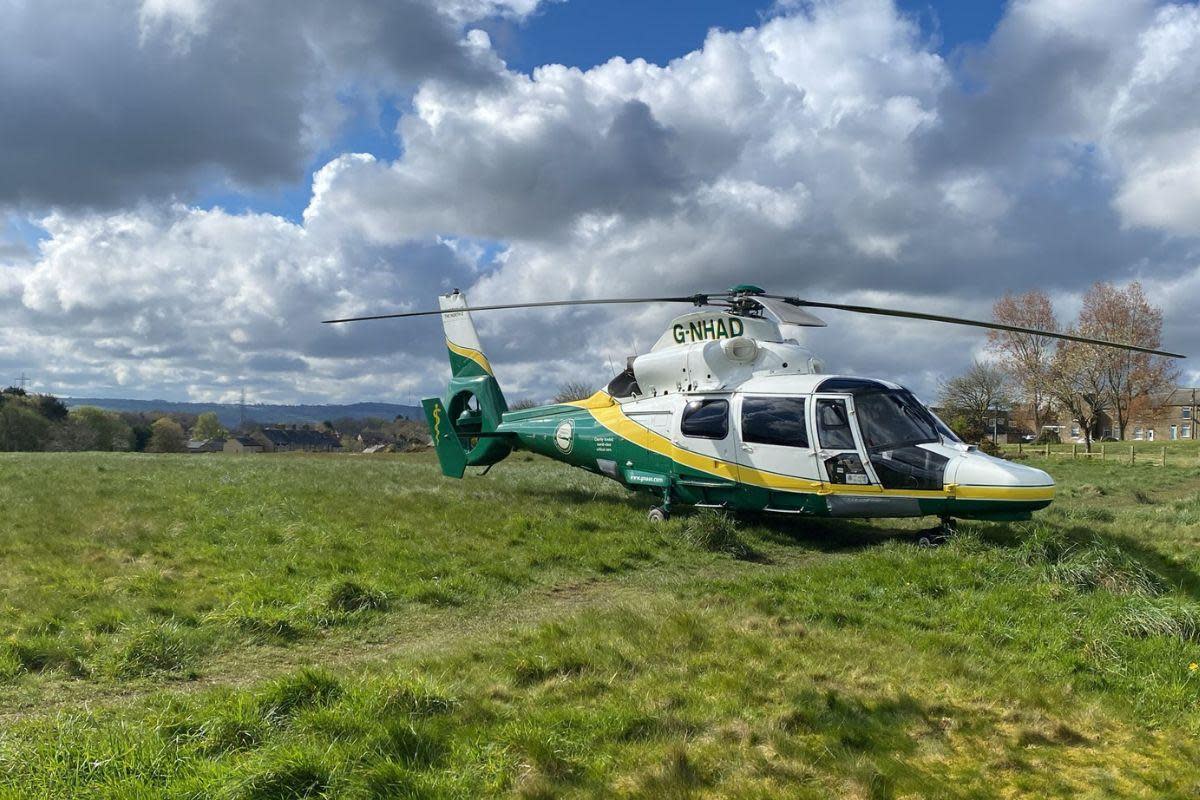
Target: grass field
[291, 626]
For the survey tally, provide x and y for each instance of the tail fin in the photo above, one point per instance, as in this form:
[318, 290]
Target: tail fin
[463, 426]
[466, 353]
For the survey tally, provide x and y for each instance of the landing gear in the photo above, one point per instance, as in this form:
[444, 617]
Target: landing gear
[937, 536]
[661, 513]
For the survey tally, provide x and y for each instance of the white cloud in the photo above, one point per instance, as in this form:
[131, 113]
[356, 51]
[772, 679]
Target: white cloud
[828, 152]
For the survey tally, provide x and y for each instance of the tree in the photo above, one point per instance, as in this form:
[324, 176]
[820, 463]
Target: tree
[89, 428]
[522, 404]
[974, 396]
[22, 428]
[1131, 379]
[572, 390]
[166, 437]
[1078, 383]
[208, 427]
[1026, 356]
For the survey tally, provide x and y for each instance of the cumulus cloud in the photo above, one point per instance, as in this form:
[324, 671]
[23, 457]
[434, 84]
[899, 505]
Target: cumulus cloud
[830, 152]
[109, 102]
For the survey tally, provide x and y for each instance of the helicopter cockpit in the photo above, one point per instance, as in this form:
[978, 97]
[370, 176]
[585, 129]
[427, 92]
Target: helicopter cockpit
[893, 425]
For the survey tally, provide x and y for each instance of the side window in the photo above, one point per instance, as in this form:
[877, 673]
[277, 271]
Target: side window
[833, 425]
[774, 420]
[705, 419]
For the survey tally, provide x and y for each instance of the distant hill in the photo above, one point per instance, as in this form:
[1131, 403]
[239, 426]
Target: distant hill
[261, 413]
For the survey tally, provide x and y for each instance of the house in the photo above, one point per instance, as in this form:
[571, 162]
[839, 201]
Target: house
[242, 444]
[293, 440]
[205, 445]
[1169, 418]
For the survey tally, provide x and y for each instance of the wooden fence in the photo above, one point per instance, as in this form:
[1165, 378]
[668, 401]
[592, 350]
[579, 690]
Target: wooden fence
[1111, 451]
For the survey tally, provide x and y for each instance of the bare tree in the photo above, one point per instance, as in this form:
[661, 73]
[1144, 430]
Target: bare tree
[1133, 379]
[572, 390]
[1079, 384]
[522, 404]
[974, 396]
[1026, 356]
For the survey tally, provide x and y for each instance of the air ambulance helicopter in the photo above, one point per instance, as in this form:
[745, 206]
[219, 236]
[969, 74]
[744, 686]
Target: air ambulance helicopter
[728, 410]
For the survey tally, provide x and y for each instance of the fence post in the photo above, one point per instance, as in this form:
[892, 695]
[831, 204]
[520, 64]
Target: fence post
[1020, 448]
[1074, 451]
[1102, 451]
[1047, 451]
[1164, 455]
[1132, 457]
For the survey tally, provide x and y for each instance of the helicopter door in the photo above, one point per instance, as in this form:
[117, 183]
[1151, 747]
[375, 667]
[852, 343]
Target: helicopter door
[839, 447]
[776, 442]
[706, 469]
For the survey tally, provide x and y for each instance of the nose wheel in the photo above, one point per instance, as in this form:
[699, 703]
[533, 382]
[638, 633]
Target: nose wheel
[939, 535]
[658, 514]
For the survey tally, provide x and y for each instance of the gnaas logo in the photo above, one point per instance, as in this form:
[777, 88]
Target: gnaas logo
[564, 435]
[702, 329]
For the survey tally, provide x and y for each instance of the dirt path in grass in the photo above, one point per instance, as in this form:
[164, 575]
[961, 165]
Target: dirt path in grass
[410, 633]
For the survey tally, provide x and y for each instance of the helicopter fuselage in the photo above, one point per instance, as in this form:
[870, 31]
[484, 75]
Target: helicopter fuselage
[793, 444]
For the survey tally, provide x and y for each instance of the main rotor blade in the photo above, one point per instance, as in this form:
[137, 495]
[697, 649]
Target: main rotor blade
[695, 299]
[998, 326]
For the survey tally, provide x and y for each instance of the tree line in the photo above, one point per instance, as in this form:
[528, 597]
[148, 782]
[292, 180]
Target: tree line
[32, 422]
[1053, 379]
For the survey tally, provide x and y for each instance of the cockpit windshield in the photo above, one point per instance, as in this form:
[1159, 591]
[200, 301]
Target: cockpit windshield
[894, 418]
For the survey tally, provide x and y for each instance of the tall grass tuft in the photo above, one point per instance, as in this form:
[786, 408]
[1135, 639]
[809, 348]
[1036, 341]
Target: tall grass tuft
[350, 596]
[304, 689]
[1163, 616]
[167, 647]
[716, 532]
[1105, 566]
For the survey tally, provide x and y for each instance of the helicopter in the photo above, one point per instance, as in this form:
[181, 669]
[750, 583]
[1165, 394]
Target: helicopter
[729, 411]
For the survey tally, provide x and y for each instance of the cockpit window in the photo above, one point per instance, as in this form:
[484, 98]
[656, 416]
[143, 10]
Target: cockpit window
[774, 420]
[893, 418]
[833, 425]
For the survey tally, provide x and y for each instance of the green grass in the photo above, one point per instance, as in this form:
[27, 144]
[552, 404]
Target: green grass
[270, 627]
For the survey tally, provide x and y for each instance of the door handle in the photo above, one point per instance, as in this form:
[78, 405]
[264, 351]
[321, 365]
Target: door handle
[747, 448]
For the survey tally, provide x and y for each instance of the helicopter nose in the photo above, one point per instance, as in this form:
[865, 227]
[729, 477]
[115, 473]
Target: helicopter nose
[980, 469]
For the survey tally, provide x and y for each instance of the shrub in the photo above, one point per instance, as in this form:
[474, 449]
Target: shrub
[715, 532]
[1048, 437]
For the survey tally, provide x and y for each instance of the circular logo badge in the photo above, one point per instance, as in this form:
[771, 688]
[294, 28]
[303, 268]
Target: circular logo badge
[564, 435]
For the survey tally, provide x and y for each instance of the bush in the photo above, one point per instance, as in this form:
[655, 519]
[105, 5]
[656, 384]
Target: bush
[716, 532]
[1048, 437]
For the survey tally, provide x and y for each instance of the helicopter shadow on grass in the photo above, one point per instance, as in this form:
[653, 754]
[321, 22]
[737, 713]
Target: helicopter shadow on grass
[816, 533]
[823, 534]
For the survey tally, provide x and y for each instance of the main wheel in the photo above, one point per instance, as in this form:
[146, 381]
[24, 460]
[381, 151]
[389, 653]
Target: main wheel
[658, 514]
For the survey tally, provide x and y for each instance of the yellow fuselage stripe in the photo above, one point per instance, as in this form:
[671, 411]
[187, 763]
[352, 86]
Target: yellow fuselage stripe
[609, 414]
